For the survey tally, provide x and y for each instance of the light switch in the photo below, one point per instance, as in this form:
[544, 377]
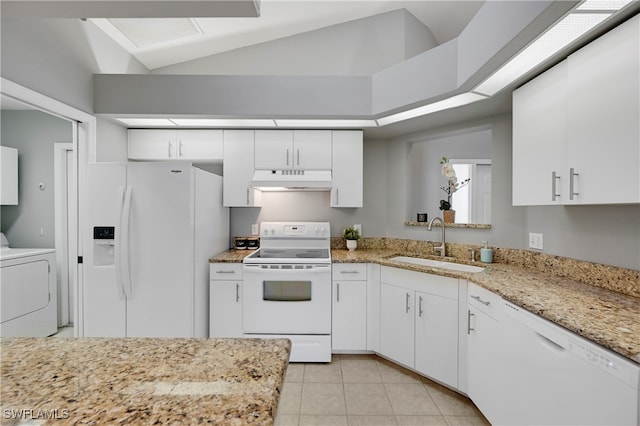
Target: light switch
[535, 241]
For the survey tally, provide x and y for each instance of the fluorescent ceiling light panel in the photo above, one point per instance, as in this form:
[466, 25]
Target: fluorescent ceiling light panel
[561, 35]
[158, 122]
[611, 5]
[152, 31]
[326, 123]
[452, 102]
[220, 122]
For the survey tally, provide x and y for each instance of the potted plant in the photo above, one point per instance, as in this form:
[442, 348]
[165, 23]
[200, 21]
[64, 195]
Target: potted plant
[352, 236]
[453, 185]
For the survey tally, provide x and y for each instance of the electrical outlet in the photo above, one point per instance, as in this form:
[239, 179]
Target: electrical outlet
[358, 227]
[254, 229]
[535, 241]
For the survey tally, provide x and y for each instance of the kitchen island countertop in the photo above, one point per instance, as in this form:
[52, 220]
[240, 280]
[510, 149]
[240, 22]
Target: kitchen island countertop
[142, 380]
[606, 317]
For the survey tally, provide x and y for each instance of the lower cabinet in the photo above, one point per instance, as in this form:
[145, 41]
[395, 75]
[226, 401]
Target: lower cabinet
[225, 300]
[349, 308]
[419, 322]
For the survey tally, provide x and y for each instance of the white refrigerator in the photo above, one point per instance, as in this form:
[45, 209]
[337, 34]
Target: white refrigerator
[151, 230]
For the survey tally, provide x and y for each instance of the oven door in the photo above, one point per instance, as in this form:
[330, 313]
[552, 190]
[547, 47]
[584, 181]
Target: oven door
[287, 299]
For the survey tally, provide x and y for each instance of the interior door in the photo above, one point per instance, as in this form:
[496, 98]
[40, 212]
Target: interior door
[161, 303]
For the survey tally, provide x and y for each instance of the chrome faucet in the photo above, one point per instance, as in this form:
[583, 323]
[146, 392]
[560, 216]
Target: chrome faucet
[441, 248]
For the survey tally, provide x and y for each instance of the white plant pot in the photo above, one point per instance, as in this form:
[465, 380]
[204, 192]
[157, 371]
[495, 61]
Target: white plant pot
[352, 244]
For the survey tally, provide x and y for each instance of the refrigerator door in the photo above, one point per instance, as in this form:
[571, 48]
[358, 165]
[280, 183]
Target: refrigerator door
[104, 305]
[161, 250]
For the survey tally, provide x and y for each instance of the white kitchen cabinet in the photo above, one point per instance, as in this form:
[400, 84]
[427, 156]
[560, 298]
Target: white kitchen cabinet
[349, 313]
[540, 174]
[604, 118]
[204, 146]
[293, 149]
[9, 170]
[419, 322]
[225, 300]
[576, 128]
[347, 169]
[238, 170]
[484, 384]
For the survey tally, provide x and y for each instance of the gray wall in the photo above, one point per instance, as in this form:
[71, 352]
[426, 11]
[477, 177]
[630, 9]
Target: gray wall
[33, 133]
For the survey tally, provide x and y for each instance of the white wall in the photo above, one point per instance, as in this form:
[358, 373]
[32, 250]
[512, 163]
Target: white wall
[33, 133]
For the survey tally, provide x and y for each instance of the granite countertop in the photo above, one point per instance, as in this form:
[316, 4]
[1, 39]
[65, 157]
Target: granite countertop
[142, 380]
[606, 317]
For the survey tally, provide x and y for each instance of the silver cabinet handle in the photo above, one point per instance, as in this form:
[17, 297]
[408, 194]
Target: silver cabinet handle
[337, 196]
[348, 272]
[223, 271]
[554, 190]
[248, 189]
[298, 156]
[169, 149]
[572, 174]
[180, 149]
[407, 304]
[480, 300]
[287, 156]
[420, 307]
[469, 315]
[338, 292]
[237, 292]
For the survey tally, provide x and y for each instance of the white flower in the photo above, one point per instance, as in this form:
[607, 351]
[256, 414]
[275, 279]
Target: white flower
[447, 170]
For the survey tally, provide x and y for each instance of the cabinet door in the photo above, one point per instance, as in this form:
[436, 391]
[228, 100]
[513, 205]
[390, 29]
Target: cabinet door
[312, 149]
[200, 145]
[349, 322]
[238, 170]
[346, 169]
[539, 139]
[152, 144]
[273, 149]
[436, 338]
[397, 323]
[225, 305]
[604, 117]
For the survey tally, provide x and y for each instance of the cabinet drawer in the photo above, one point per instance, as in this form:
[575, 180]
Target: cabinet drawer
[484, 300]
[420, 281]
[225, 271]
[349, 271]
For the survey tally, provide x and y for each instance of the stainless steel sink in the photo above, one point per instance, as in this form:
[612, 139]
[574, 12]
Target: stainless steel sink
[437, 264]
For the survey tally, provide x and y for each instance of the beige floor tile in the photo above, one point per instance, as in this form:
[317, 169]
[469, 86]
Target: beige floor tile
[323, 398]
[367, 399]
[287, 420]
[323, 373]
[449, 402]
[295, 372]
[360, 371]
[309, 420]
[290, 398]
[372, 421]
[411, 399]
[421, 421]
[467, 421]
[392, 373]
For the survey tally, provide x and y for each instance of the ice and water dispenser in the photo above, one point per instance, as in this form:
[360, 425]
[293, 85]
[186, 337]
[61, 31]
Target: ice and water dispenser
[103, 245]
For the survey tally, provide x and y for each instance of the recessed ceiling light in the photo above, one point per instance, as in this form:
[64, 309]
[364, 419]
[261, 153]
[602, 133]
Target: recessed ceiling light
[222, 122]
[326, 123]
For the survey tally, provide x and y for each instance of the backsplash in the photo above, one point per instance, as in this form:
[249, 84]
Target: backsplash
[621, 280]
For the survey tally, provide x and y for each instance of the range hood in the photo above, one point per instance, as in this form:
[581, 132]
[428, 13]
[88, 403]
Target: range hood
[292, 180]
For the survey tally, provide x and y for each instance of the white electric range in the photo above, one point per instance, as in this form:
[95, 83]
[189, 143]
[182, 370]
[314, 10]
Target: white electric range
[287, 288]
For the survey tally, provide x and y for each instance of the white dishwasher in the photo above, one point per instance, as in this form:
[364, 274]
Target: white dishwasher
[554, 377]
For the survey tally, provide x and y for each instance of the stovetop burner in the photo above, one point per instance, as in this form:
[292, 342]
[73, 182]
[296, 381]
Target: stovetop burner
[284, 254]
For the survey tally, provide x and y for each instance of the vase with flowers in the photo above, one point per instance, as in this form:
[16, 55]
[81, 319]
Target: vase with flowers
[447, 170]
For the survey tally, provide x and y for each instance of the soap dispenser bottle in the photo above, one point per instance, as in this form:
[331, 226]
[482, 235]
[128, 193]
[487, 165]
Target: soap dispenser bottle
[486, 254]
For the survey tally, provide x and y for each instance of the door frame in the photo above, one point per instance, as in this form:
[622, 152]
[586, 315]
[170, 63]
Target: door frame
[84, 150]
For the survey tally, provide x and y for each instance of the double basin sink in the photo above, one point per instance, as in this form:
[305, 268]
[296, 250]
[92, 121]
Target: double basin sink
[452, 266]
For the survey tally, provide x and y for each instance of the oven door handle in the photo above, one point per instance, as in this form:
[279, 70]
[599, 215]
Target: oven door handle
[316, 269]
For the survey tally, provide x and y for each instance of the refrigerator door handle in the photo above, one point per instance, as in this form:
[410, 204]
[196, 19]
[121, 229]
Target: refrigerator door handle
[118, 243]
[126, 273]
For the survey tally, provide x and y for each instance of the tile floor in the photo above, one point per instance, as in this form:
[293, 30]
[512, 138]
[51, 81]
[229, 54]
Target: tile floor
[368, 390]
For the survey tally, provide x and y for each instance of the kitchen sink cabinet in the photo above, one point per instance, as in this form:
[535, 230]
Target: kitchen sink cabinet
[347, 169]
[205, 146]
[293, 149]
[238, 170]
[576, 132]
[349, 308]
[419, 322]
[225, 300]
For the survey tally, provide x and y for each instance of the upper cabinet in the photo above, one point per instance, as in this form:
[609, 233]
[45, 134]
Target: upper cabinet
[346, 171]
[204, 146]
[238, 170]
[576, 128]
[9, 163]
[293, 149]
